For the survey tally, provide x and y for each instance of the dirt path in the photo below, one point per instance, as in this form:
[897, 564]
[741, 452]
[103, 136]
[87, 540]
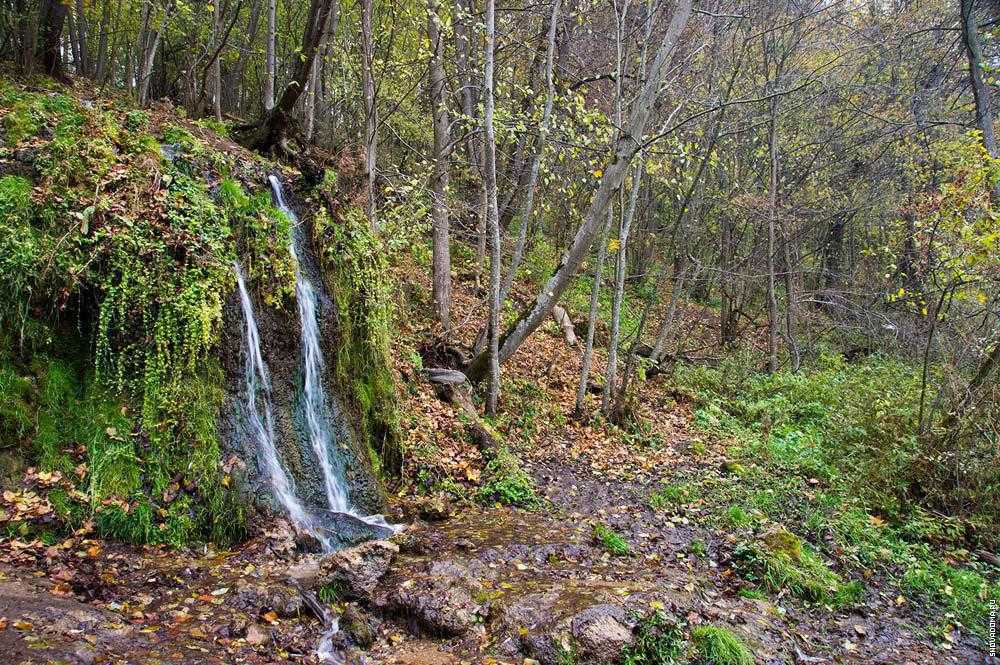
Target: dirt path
[484, 585]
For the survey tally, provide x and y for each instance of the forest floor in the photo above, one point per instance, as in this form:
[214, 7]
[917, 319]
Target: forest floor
[620, 543]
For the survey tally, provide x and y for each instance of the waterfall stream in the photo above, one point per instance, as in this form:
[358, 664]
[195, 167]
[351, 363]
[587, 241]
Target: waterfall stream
[316, 405]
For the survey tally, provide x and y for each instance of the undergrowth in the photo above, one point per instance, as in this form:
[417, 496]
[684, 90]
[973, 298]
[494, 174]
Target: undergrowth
[833, 449]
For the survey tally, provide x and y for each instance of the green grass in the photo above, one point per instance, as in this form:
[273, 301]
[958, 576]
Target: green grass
[610, 540]
[671, 495]
[831, 449]
[719, 646]
[658, 641]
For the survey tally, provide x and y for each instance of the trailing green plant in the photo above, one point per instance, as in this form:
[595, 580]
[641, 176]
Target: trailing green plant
[359, 280]
[118, 257]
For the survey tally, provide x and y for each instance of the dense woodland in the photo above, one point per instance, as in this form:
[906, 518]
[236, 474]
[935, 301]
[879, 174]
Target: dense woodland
[779, 218]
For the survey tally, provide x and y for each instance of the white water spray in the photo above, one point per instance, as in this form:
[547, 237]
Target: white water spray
[317, 414]
[260, 419]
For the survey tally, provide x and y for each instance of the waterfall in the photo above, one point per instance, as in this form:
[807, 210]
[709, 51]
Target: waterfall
[315, 403]
[260, 418]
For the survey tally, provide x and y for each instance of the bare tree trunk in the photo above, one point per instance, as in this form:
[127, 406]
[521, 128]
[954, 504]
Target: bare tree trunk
[150, 56]
[624, 228]
[528, 204]
[101, 69]
[974, 53]
[668, 321]
[624, 150]
[81, 35]
[368, 83]
[74, 43]
[789, 279]
[473, 146]
[316, 73]
[772, 214]
[271, 68]
[595, 292]
[492, 212]
[52, 18]
[439, 203]
[216, 72]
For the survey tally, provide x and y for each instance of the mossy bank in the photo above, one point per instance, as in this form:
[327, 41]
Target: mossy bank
[119, 336]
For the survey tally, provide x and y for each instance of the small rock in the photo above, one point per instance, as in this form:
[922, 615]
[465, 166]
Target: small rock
[256, 635]
[440, 603]
[360, 626]
[357, 570]
[601, 633]
[84, 655]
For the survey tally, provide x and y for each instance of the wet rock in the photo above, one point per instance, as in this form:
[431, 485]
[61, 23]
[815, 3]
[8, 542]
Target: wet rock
[84, 655]
[601, 633]
[439, 603]
[356, 571]
[360, 626]
[284, 601]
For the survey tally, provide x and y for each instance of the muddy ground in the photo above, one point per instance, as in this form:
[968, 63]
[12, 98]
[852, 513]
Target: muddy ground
[469, 584]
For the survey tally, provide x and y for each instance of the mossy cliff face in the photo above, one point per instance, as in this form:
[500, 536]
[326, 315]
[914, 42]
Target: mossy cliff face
[120, 336]
[281, 346]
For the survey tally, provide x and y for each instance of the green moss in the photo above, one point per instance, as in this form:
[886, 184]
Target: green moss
[780, 561]
[359, 280]
[719, 646]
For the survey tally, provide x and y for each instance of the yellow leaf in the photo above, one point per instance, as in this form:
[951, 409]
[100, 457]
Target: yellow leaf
[614, 245]
[598, 173]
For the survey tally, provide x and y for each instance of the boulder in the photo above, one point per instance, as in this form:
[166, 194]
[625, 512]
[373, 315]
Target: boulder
[601, 632]
[438, 603]
[357, 570]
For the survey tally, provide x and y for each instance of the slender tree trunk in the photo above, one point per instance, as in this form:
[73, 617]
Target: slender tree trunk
[52, 18]
[789, 279]
[216, 70]
[981, 93]
[624, 150]
[473, 146]
[316, 73]
[668, 320]
[528, 203]
[624, 229]
[74, 43]
[101, 68]
[150, 56]
[271, 67]
[371, 121]
[439, 203]
[772, 214]
[492, 212]
[595, 292]
[82, 39]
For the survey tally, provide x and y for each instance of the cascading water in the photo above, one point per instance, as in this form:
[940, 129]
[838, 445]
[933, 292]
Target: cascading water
[260, 418]
[315, 404]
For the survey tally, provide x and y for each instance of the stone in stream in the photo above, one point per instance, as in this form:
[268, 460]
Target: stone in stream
[440, 602]
[357, 570]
